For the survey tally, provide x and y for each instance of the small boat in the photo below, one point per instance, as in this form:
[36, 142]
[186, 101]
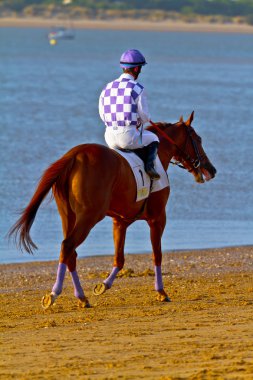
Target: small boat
[61, 33]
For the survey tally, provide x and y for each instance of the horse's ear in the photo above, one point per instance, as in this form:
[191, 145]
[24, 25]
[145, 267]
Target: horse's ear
[181, 120]
[189, 121]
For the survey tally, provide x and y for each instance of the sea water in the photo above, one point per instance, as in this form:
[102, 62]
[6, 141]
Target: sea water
[49, 103]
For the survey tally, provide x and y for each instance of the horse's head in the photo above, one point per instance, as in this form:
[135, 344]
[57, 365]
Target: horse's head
[191, 153]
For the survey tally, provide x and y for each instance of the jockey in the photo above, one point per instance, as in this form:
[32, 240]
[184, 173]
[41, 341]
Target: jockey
[123, 108]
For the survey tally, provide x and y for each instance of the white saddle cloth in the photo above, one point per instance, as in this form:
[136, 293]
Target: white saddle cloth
[143, 181]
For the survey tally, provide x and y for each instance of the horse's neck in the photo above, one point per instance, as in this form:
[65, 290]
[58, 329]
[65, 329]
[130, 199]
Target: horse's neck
[167, 149]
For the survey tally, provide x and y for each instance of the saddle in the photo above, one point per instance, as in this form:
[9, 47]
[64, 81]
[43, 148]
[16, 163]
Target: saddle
[144, 185]
[142, 153]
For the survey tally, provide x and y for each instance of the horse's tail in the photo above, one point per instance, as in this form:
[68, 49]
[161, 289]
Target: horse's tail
[55, 176]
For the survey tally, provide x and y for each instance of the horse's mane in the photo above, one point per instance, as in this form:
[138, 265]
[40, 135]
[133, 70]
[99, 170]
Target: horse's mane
[161, 125]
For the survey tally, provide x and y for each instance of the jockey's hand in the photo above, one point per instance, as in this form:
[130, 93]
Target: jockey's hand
[139, 124]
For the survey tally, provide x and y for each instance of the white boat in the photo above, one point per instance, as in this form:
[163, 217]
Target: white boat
[61, 33]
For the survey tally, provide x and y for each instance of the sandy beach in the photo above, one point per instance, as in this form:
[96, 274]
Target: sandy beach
[128, 24]
[206, 332]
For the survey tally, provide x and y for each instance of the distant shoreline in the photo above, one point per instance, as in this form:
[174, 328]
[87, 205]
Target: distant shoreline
[128, 24]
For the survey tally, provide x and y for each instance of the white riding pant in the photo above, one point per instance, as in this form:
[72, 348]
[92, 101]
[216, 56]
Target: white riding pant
[128, 137]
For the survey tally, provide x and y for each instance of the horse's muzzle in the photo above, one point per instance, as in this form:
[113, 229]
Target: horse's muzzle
[199, 176]
[208, 171]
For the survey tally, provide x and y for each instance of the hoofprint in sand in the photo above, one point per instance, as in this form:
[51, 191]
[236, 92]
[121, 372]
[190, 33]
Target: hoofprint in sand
[204, 333]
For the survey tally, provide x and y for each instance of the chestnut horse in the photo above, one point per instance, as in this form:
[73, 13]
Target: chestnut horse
[92, 181]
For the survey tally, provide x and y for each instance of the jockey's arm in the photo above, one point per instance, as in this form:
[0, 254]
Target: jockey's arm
[142, 108]
[100, 108]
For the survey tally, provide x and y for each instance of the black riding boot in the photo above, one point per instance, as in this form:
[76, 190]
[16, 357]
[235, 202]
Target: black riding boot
[151, 156]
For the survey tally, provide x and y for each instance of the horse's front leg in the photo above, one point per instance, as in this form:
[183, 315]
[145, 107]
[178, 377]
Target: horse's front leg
[156, 230]
[119, 236]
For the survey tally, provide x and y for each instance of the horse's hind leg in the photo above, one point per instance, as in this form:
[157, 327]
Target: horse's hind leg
[71, 264]
[75, 227]
[119, 236]
[85, 221]
[68, 219]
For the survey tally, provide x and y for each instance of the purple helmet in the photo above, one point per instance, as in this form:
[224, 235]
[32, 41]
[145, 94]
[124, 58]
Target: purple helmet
[132, 58]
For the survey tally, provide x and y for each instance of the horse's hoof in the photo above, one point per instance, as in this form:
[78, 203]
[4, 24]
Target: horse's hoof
[84, 303]
[100, 289]
[163, 297]
[48, 300]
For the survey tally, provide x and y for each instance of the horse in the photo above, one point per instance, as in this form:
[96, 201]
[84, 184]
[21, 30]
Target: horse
[92, 181]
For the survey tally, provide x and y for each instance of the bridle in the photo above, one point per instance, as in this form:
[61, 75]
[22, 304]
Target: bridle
[194, 163]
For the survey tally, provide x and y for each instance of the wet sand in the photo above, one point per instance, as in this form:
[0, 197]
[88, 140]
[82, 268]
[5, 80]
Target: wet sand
[206, 332]
[128, 24]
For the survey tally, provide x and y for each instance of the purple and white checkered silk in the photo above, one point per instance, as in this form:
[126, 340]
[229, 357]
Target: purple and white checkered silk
[119, 102]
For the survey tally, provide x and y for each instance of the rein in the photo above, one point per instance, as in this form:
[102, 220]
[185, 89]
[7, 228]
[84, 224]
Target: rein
[195, 163]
